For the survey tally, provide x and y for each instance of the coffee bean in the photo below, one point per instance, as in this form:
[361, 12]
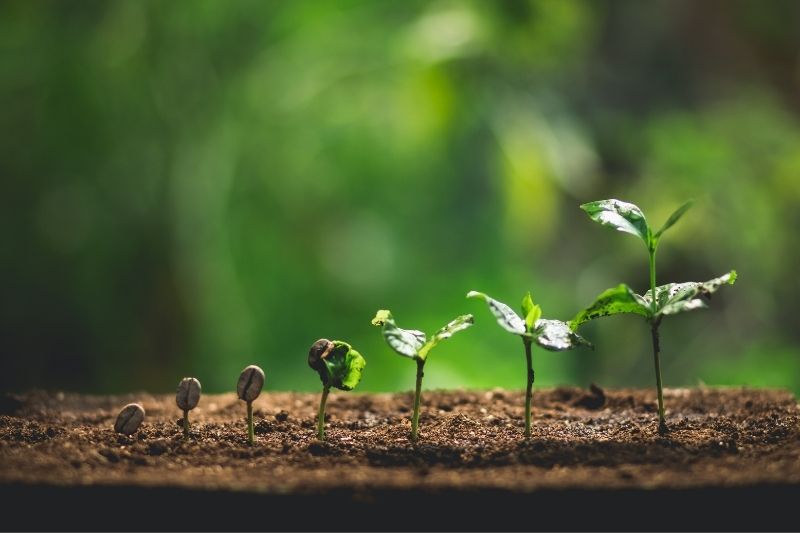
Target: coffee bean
[250, 382]
[188, 394]
[129, 419]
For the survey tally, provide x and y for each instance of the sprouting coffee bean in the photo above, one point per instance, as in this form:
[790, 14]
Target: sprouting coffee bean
[129, 419]
[250, 382]
[319, 350]
[188, 394]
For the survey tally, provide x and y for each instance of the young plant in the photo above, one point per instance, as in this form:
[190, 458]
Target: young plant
[659, 301]
[248, 388]
[415, 345]
[187, 397]
[552, 335]
[339, 366]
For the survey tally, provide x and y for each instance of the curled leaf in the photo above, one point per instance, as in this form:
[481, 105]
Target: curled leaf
[613, 301]
[344, 366]
[621, 216]
[406, 342]
[506, 317]
[556, 336]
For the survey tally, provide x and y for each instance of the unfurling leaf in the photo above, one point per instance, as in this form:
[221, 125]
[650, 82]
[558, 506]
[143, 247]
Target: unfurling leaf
[454, 326]
[506, 317]
[530, 311]
[344, 365]
[622, 216]
[406, 342]
[674, 217]
[613, 301]
[675, 298]
[556, 336]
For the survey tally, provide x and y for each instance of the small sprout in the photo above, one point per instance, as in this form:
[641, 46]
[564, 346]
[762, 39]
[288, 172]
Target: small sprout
[187, 397]
[339, 366]
[414, 344]
[552, 335]
[129, 419]
[658, 302]
[248, 388]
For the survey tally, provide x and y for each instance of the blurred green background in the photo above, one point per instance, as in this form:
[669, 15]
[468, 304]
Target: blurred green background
[191, 187]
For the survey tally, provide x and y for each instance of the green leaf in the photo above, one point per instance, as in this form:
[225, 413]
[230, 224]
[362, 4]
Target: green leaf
[674, 217]
[675, 298]
[613, 301]
[527, 304]
[556, 336]
[506, 317]
[344, 365]
[622, 216]
[530, 311]
[451, 328]
[406, 342]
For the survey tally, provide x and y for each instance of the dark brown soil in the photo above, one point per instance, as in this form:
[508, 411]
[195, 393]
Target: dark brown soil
[595, 461]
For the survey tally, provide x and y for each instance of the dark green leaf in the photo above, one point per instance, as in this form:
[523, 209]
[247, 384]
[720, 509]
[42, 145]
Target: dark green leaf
[454, 326]
[622, 216]
[506, 317]
[674, 217]
[556, 336]
[406, 342]
[620, 299]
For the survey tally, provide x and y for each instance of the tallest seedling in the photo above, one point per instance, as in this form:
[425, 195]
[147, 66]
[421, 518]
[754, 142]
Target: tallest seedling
[658, 302]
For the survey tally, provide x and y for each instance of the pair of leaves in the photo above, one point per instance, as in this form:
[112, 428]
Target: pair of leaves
[413, 343]
[629, 218]
[552, 335]
[337, 363]
[670, 299]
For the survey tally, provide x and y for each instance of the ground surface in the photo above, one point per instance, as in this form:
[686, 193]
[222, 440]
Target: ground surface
[595, 460]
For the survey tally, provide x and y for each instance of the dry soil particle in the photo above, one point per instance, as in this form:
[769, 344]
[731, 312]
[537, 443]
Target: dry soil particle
[595, 460]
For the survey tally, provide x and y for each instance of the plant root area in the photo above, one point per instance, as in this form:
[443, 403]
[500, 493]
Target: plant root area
[731, 460]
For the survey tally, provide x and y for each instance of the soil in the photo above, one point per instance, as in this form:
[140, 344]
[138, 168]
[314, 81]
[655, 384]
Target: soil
[595, 461]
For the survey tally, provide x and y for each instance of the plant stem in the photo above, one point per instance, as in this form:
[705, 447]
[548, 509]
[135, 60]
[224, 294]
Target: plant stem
[250, 431]
[529, 387]
[417, 394]
[321, 417]
[185, 424]
[662, 423]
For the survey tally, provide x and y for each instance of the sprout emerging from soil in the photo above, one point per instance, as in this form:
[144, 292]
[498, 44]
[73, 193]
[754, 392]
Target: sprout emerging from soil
[187, 397]
[339, 366]
[129, 419]
[414, 345]
[658, 302]
[552, 335]
[248, 388]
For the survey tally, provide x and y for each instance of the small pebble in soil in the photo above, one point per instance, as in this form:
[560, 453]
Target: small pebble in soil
[129, 419]
[282, 416]
[251, 380]
[188, 394]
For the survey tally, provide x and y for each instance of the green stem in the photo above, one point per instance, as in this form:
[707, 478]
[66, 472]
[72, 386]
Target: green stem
[417, 394]
[250, 431]
[529, 387]
[662, 423]
[185, 424]
[321, 417]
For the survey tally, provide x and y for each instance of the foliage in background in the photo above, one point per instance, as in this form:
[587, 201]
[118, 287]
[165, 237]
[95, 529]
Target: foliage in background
[182, 186]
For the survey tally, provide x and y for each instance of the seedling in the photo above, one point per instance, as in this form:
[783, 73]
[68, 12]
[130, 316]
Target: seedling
[414, 345]
[658, 302]
[248, 388]
[129, 419]
[339, 366]
[552, 335]
[187, 397]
